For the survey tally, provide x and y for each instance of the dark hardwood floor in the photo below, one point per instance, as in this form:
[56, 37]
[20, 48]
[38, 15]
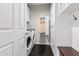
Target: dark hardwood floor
[41, 50]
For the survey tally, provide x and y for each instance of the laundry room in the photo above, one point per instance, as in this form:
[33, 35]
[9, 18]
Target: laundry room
[39, 22]
[55, 27]
[39, 29]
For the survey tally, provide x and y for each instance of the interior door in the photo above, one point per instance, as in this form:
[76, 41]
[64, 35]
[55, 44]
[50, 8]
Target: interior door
[12, 29]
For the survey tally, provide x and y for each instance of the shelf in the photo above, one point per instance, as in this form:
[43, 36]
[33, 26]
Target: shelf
[69, 8]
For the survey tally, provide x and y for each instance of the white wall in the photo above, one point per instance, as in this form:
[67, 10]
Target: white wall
[36, 12]
[75, 31]
[63, 30]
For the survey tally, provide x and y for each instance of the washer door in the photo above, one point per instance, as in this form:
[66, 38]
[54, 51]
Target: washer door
[29, 40]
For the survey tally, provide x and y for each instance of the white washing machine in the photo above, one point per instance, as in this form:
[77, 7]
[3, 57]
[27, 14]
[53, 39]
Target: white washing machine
[30, 41]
